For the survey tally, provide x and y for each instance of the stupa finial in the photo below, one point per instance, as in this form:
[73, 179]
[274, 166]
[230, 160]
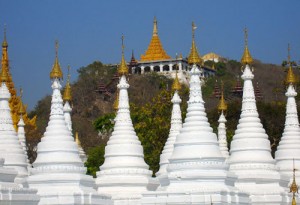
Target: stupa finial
[22, 109]
[176, 84]
[4, 43]
[67, 93]
[246, 59]
[123, 69]
[155, 30]
[222, 107]
[56, 70]
[194, 57]
[290, 77]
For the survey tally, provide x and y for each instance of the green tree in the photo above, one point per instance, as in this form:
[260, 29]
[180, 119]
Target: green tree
[95, 159]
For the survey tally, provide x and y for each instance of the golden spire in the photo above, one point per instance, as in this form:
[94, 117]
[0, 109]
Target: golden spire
[246, 59]
[290, 77]
[294, 187]
[155, 31]
[123, 69]
[155, 49]
[77, 139]
[67, 93]
[4, 75]
[176, 84]
[116, 102]
[22, 109]
[56, 70]
[222, 106]
[4, 43]
[194, 57]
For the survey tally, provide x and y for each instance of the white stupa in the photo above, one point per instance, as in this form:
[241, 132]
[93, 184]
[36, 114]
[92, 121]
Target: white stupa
[289, 146]
[82, 154]
[176, 124]
[250, 153]
[58, 173]
[124, 174]
[197, 170]
[21, 130]
[12, 193]
[11, 149]
[67, 97]
[222, 107]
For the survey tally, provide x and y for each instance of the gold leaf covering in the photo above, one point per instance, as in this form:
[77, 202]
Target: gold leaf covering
[56, 70]
[222, 106]
[246, 58]
[155, 49]
[194, 57]
[176, 84]
[14, 102]
[123, 69]
[67, 96]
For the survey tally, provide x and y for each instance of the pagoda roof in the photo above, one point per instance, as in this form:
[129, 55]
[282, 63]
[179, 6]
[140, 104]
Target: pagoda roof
[155, 49]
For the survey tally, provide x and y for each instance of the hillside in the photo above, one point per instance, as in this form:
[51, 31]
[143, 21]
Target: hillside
[149, 92]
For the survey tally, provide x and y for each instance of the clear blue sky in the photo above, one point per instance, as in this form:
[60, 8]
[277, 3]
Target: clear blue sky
[91, 30]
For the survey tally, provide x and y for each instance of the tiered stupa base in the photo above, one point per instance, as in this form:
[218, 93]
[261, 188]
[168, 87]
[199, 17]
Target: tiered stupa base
[67, 189]
[12, 193]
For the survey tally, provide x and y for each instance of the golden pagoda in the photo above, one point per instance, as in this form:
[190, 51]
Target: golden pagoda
[194, 57]
[15, 101]
[246, 58]
[155, 49]
[290, 77]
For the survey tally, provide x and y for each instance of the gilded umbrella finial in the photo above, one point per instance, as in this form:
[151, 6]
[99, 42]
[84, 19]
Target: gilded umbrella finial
[290, 77]
[222, 106]
[194, 57]
[67, 96]
[123, 69]
[246, 59]
[22, 109]
[56, 70]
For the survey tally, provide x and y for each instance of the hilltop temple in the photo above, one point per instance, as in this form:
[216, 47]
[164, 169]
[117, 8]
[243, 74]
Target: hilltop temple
[196, 166]
[156, 59]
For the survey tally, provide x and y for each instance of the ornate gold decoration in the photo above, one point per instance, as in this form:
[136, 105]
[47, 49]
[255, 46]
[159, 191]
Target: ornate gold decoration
[56, 70]
[155, 49]
[294, 187]
[116, 102]
[176, 84]
[67, 93]
[194, 57]
[123, 69]
[15, 101]
[246, 59]
[290, 77]
[222, 106]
